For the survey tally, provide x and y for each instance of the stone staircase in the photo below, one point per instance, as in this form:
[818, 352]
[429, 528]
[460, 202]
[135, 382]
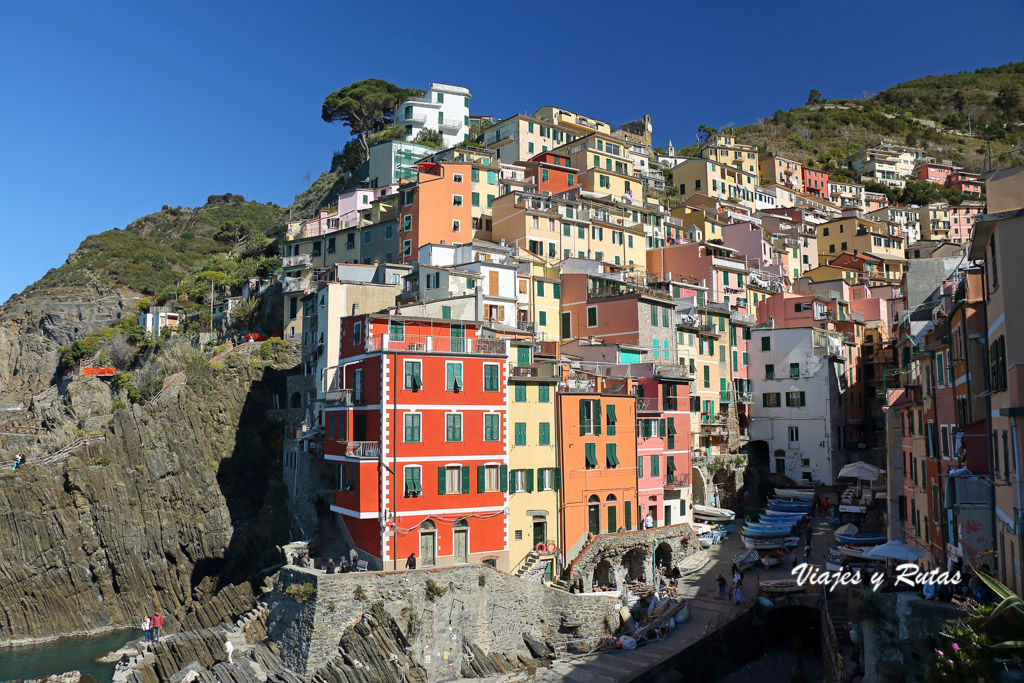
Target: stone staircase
[527, 564]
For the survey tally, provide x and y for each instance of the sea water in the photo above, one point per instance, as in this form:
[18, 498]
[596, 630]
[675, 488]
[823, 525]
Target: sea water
[76, 653]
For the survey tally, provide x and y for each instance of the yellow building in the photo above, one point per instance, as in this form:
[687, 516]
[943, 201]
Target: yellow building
[540, 293]
[713, 377]
[575, 123]
[533, 512]
[935, 222]
[709, 223]
[717, 180]
[521, 137]
[556, 228]
[723, 149]
[859, 236]
[605, 167]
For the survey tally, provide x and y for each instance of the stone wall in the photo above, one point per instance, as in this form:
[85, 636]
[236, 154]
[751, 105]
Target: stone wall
[632, 551]
[480, 608]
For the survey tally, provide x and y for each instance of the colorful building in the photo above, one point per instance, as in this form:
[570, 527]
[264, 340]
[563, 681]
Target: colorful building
[443, 109]
[815, 182]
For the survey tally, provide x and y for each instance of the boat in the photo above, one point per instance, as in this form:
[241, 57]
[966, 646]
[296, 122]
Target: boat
[709, 539]
[861, 539]
[772, 558]
[726, 529]
[693, 563]
[770, 532]
[803, 494]
[779, 586]
[787, 506]
[779, 514]
[859, 553]
[805, 504]
[745, 559]
[770, 543]
[785, 529]
[713, 514]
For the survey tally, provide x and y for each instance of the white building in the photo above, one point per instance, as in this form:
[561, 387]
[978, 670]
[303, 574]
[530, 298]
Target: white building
[443, 108]
[158, 318]
[797, 403]
[394, 161]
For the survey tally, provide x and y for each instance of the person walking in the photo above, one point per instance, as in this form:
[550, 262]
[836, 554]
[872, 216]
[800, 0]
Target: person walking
[146, 626]
[330, 565]
[229, 648]
[17, 460]
[721, 587]
[824, 506]
[353, 557]
[739, 592]
[807, 552]
[157, 623]
[648, 521]
[410, 562]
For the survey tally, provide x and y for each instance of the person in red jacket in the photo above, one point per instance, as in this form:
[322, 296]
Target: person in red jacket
[157, 622]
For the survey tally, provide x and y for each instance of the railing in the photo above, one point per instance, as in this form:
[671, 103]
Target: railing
[365, 450]
[295, 261]
[673, 370]
[712, 419]
[910, 377]
[450, 124]
[539, 370]
[436, 344]
[647, 405]
[748, 318]
[292, 285]
[726, 396]
[308, 433]
[414, 119]
[709, 329]
[578, 385]
[623, 289]
[744, 397]
[525, 326]
[677, 479]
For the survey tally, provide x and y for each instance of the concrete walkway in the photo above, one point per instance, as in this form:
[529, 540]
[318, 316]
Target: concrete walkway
[707, 614]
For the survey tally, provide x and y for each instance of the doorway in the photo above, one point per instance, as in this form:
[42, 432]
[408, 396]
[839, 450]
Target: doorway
[668, 515]
[594, 515]
[540, 535]
[461, 542]
[428, 544]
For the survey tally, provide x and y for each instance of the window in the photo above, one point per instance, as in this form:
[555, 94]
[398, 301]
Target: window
[611, 456]
[655, 466]
[456, 225]
[456, 177]
[456, 200]
[794, 434]
[590, 417]
[591, 316]
[544, 393]
[453, 376]
[590, 455]
[446, 312]
[453, 479]
[707, 377]
[413, 376]
[769, 372]
[766, 343]
[489, 478]
[544, 435]
[795, 399]
[367, 237]
[413, 422]
[490, 377]
[520, 434]
[413, 480]
[453, 427]
[520, 393]
[519, 481]
[492, 427]
[475, 199]
[771, 400]
[794, 369]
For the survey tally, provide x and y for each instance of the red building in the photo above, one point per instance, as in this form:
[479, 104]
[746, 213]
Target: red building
[815, 182]
[663, 446]
[933, 173]
[551, 173]
[968, 183]
[417, 427]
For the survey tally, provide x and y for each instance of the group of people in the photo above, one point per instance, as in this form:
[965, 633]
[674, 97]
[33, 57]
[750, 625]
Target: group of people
[820, 506]
[151, 626]
[342, 566]
[735, 590]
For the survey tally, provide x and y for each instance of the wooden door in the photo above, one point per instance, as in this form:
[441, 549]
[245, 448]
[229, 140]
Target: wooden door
[461, 546]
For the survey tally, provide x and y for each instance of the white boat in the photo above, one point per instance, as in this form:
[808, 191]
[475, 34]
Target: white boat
[693, 563]
[802, 494]
[858, 552]
[779, 586]
[770, 561]
[770, 543]
[713, 514]
[745, 559]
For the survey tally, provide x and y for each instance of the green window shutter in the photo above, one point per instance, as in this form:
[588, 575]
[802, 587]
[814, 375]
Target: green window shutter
[557, 480]
[590, 453]
[440, 481]
[520, 393]
[540, 288]
[449, 376]
[611, 454]
[481, 475]
[654, 315]
[416, 479]
[661, 428]
[664, 317]
[408, 480]
[465, 478]
[655, 466]
[523, 355]
[503, 477]
[476, 199]
[545, 434]
[512, 481]
[475, 175]
[583, 415]
[640, 466]
[446, 312]
[611, 419]
[558, 291]
[597, 416]
[721, 384]
[543, 393]
[529, 481]
[520, 433]
[627, 515]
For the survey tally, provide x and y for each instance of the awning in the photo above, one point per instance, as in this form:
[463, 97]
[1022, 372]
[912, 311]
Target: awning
[591, 459]
[671, 463]
[613, 459]
[672, 427]
[611, 412]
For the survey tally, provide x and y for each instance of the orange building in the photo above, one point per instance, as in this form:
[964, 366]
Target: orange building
[551, 173]
[437, 208]
[597, 456]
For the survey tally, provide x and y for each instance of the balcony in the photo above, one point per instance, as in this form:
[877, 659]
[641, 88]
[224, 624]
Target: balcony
[363, 450]
[626, 288]
[675, 480]
[294, 285]
[726, 396]
[526, 327]
[746, 397]
[299, 261]
[434, 344]
[673, 370]
[910, 377]
[647, 405]
[578, 384]
[709, 329]
[744, 318]
[308, 433]
[539, 370]
[712, 419]
[449, 124]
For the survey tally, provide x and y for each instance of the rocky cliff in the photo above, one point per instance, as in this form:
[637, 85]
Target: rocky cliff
[176, 502]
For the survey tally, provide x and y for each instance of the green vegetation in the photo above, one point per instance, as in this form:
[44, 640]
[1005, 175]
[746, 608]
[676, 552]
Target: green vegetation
[359, 593]
[301, 592]
[365, 106]
[930, 112]
[272, 348]
[434, 591]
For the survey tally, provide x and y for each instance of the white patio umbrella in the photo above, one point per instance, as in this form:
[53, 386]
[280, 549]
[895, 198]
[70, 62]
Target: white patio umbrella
[861, 470]
[896, 551]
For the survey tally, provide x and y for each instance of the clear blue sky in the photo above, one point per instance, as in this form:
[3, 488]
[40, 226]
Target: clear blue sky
[109, 110]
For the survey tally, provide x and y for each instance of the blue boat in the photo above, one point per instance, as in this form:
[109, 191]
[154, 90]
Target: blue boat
[804, 504]
[769, 525]
[777, 514]
[787, 506]
[770, 532]
[861, 539]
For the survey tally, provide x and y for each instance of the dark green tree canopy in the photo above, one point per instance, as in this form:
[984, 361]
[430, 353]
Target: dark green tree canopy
[365, 106]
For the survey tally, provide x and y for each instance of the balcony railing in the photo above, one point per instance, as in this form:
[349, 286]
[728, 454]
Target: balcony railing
[647, 405]
[712, 419]
[525, 326]
[578, 384]
[748, 318]
[677, 479]
[434, 344]
[298, 261]
[745, 397]
[673, 370]
[709, 329]
[449, 124]
[364, 450]
[539, 370]
[726, 396]
[293, 285]
[910, 377]
[308, 433]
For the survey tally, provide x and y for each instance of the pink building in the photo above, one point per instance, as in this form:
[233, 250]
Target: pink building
[783, 171]
[933, 173]
[719, 268]
[815, 183]
[968, 183]
[749, 242]
[961, 221]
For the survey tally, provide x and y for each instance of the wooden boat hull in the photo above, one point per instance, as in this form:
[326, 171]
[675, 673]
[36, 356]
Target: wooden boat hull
[782, 586]
[861, 539]
[713, 514]
[768, 532]
[802, 494]
[770, 543]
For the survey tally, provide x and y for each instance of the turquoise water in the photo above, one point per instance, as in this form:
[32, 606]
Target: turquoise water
[66, 654]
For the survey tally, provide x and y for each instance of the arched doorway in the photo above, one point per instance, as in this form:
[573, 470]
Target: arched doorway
[296, 400]
[613, 525]
[603, 574]
[594, 514]
[635, 562]
[428, 544]
[663, 555]
[699, 496]
[461, 541]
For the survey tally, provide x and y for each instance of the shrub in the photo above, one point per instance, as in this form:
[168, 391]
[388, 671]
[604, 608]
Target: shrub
[359, 593]
[117, 405]
[412, 618]
[434, 590]
[481, 580]
[301, 592]
[270, 349]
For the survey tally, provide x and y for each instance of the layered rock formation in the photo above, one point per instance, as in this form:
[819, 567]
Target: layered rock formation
[177, 501]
